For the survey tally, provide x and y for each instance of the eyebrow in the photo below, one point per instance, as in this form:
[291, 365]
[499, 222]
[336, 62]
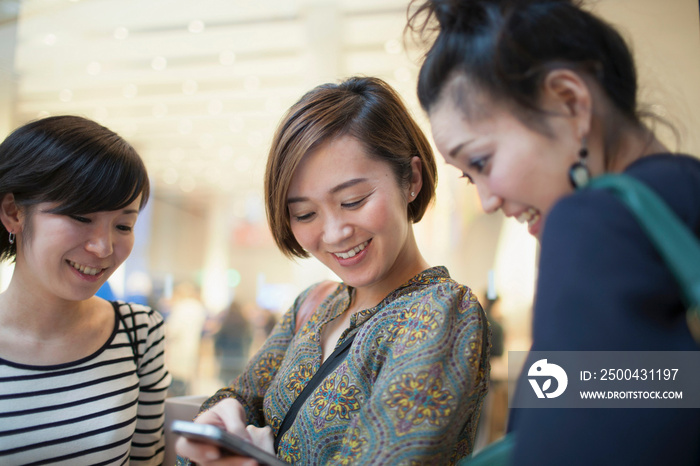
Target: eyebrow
[130, 211]
[340, 187]
[453, 153]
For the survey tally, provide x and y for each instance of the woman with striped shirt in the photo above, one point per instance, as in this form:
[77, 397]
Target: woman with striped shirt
[82, 379]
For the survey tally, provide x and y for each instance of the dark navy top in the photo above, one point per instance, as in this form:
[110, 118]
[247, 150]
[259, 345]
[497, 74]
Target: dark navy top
[603, 287]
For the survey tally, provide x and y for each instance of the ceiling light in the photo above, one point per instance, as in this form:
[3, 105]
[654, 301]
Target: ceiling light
[392, 46]
[170, 175]
[160, 110]
[252, 83]
[215, 107]
[227, 58]
[189, 87]
[94, 68]
[236, 124]
[187, 184]
[121, 33]
[66, 95]
[130, 91]
[196, 26]
[159, 63]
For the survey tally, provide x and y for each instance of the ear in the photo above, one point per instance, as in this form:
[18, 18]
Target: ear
[10, 214]
[416, 177]
[568, 93]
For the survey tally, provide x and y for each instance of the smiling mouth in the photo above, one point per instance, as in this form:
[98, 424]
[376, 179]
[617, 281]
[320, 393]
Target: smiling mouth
[351, 253]
[84, 268]
[530, 216]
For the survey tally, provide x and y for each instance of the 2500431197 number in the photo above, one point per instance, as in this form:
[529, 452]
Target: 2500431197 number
[638, 374]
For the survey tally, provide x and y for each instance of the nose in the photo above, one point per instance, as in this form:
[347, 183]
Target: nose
[100, 242]
[490, 202]
[335, 229]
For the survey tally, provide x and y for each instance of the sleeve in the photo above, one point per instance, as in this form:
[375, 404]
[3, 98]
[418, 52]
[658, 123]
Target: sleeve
[603, 287]
[428, 394]
[148, 443]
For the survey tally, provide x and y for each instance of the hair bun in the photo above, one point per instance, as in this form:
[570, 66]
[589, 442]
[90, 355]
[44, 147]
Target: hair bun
[468, 14]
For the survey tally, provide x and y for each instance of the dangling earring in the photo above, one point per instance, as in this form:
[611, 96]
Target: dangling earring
[579, 174]
[11, 238]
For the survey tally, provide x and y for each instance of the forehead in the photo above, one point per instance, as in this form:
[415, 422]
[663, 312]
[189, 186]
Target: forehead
[451, 126]
[332, 163]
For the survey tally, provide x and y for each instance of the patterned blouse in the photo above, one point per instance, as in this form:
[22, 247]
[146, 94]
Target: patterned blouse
[409, 392]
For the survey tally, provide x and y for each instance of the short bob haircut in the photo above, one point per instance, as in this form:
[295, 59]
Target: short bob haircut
[72, 161]
[365, 108]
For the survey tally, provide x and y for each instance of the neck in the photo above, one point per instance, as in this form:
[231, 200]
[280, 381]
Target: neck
[409, 263]
[32, 313]
[633, 145]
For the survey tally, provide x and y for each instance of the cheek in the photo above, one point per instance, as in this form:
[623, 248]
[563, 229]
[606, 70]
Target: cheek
[124, 246]
[388, 213]
[302, 233]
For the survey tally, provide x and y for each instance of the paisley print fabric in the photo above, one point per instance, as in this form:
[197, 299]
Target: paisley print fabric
[409, 392]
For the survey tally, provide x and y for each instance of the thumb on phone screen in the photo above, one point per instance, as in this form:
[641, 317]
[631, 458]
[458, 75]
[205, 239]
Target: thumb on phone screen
[262, 438]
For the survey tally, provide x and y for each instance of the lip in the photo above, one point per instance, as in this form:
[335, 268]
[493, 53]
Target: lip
[532, 217]
[534, 228]
[358, 257]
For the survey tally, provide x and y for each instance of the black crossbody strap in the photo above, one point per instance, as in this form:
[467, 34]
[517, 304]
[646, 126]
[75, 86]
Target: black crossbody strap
[326, 368]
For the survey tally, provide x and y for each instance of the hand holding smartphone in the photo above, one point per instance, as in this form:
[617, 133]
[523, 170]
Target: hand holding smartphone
[227, 442]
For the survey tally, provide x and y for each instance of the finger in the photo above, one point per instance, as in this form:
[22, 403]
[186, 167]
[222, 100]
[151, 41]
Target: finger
[231, 461]
[230, 415]
[197, 452]
[262, 437]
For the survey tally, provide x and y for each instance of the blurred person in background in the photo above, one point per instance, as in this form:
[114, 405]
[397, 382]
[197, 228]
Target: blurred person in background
[184, 326]
[232, 341]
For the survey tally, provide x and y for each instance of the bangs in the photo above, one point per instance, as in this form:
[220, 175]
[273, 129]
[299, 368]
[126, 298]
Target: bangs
[103, 184]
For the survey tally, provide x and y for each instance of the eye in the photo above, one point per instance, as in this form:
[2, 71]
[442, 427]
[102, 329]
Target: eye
[355, 204]
[479, 164]
[126, 228]
[80, 219]
[304, 217]
[467, 177]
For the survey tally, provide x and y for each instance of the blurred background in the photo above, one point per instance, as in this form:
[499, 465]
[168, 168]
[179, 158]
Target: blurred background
[198, 88]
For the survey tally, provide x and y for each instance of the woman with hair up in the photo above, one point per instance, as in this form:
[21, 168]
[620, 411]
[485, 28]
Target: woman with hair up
[348, 173]
[530, 99]
[82, 379]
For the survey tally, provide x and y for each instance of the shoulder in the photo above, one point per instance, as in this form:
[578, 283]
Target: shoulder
[585, 213]
[138, 316]
[435, 286]
[676, 178]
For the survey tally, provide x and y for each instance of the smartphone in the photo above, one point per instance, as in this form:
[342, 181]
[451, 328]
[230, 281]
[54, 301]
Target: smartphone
[229, 443]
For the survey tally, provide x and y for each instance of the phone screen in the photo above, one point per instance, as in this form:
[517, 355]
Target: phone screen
[228, 443]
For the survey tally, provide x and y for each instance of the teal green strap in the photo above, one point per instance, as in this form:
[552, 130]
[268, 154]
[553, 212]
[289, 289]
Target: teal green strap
[675, 242]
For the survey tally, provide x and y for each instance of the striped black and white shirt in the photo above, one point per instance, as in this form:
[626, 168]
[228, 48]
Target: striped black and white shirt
[105, 409]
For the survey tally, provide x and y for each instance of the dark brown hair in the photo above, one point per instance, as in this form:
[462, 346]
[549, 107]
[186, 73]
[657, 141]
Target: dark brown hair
[365, 108]
[72, 161]
[506, 48]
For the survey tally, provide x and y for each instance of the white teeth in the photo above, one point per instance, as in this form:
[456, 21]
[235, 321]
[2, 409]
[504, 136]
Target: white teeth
[530, 216]
[352, 252]
[84, 268]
